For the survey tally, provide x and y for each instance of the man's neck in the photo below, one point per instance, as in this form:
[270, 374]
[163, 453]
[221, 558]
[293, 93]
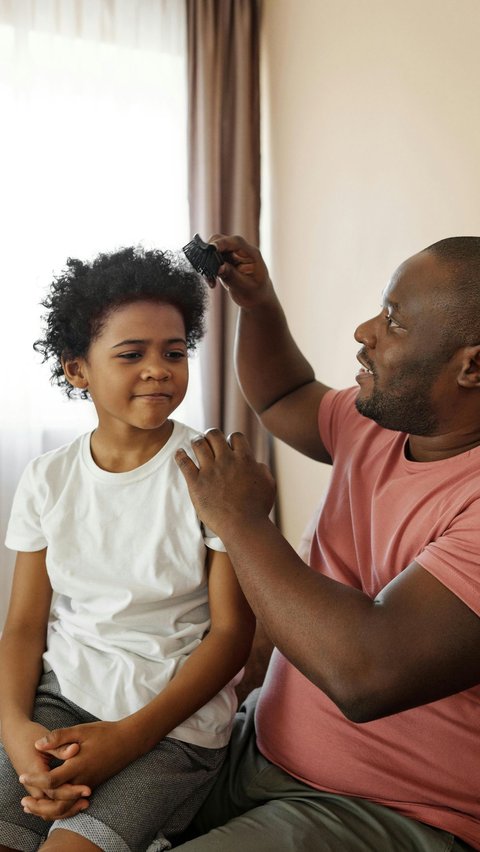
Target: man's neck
[437, 447]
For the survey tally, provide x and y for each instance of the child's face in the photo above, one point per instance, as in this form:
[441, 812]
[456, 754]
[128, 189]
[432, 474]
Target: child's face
[136, 370]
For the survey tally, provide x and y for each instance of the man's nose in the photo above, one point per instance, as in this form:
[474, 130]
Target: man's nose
[366, 333]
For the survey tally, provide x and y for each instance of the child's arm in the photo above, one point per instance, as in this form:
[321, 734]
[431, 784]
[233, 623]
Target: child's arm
[107, 747]
[21, 648]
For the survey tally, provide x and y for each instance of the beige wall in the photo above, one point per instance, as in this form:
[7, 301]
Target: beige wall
[371, 152]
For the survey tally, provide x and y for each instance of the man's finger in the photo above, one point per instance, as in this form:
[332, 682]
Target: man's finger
[186, 466]
[239, 443]
[233, 243]
[215, 441]
[204, 452]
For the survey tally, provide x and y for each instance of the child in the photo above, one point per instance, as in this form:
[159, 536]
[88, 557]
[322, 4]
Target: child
[137, 657]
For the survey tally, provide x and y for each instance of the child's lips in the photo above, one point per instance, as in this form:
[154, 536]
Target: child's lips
[154, 397]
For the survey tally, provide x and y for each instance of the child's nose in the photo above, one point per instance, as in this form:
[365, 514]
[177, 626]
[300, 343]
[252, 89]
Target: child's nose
[155, 369]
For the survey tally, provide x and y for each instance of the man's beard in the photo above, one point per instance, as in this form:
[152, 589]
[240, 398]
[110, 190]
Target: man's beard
[406, 406]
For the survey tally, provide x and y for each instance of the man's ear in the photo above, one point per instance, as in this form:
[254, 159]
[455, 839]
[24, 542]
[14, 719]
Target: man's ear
[75, 372]
[469, 373]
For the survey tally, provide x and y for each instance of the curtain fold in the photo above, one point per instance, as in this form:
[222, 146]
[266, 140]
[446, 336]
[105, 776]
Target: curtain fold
[224, 177]
[224, 194]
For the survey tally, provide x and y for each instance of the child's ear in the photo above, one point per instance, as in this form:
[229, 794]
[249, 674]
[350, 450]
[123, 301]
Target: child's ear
[75, 372]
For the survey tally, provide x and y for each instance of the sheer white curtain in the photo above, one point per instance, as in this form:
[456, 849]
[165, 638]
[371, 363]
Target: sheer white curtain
[92, 157]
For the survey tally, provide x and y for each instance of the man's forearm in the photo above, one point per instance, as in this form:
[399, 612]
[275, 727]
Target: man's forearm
[413, 644]
[316, 622]
[268, 362]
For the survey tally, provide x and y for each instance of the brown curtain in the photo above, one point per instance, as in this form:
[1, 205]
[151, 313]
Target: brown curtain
[224, 177]
[224, 194]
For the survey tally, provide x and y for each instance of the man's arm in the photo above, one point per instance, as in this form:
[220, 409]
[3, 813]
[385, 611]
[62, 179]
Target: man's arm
[415, 643]
[276, 379]
[107, 747]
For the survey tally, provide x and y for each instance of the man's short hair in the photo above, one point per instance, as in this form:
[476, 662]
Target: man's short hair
[461, 256]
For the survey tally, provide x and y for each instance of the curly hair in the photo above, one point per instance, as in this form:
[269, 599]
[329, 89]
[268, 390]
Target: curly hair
[84, 294]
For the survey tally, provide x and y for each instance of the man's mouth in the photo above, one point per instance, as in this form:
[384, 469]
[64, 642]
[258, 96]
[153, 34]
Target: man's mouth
[366, 371]
[366, 365]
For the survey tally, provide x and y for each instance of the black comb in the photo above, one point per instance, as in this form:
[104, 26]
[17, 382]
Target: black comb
[204, 257]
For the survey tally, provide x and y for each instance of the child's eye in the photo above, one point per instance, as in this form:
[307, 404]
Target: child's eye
[176, 355]
[130, 356]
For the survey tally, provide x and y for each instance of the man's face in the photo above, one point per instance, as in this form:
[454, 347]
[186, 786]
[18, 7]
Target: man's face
[407, 376]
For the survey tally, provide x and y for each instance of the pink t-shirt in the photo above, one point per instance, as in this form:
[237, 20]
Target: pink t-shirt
[381, 513]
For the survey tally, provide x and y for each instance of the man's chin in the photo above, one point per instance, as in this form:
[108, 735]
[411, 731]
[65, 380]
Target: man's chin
[367, 408]
[364, 406]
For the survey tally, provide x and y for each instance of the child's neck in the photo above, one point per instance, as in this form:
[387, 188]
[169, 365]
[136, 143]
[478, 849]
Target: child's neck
[119, 453]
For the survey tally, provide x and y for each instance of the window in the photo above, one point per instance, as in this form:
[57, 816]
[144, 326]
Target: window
[93, 157]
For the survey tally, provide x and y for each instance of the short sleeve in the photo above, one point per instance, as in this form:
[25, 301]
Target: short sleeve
[212, 541]
[337, 413]
[24, 531]
[453, 557]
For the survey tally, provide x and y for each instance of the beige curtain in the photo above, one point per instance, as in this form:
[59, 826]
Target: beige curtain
[224, 194]
[224, 177]
[89, 90]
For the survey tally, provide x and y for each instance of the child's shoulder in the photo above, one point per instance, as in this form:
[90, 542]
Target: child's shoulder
[182, 437]
[58, 458]
[182, 434]
[181, 430]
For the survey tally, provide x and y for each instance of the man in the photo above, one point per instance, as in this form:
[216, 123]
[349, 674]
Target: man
[366, 731]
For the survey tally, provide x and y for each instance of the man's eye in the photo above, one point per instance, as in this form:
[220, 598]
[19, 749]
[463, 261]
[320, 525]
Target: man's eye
[391, 321]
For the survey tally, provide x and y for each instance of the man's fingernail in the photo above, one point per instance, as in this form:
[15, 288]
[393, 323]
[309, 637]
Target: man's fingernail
[22, 779]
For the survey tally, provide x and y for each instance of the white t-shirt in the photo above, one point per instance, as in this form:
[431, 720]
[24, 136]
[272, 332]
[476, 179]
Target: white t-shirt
[126, 559]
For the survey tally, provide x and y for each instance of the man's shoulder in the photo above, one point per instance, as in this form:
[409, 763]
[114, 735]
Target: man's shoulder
[343, 399]
[341, 422]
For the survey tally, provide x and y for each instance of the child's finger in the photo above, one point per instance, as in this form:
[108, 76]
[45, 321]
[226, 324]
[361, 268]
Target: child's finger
[68, 792]
[52, 779]
[59, 737]
[50, 810]
[62, 752]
